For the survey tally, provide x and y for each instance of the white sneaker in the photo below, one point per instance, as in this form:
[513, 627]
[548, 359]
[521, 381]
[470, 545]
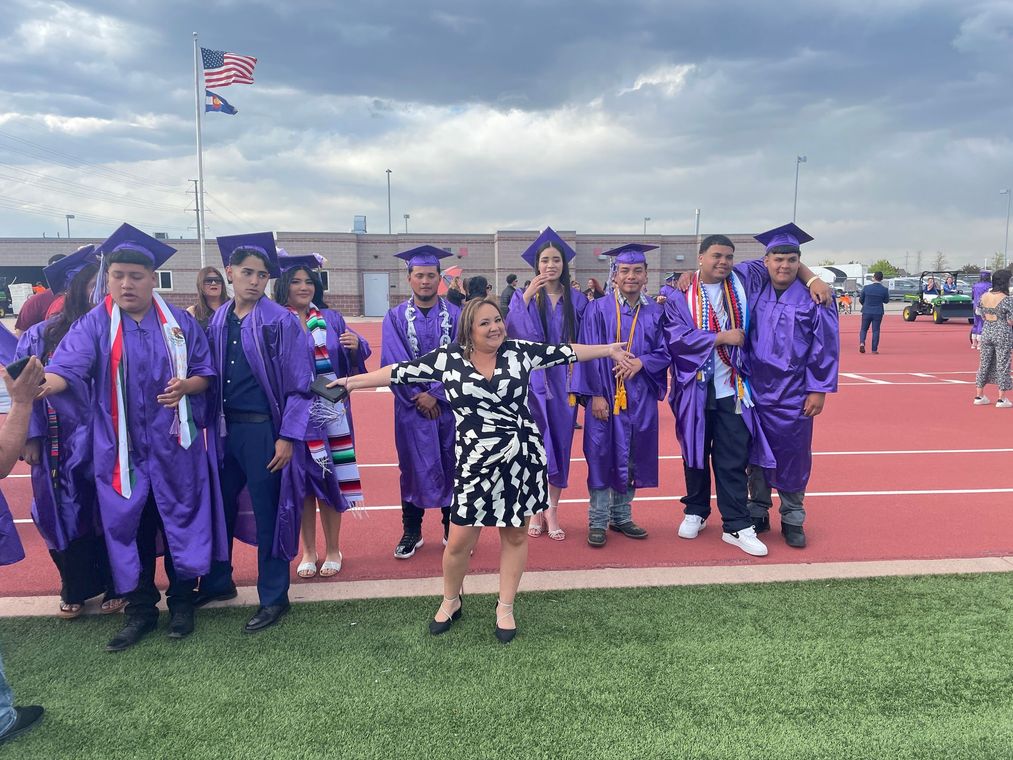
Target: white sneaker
[1003, 403]
[746, 540]
[691, 526]
[981, 400]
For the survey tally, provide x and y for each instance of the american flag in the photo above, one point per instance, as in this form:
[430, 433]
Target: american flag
[222, 69]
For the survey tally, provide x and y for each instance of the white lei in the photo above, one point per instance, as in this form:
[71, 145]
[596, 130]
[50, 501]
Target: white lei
[411, 315]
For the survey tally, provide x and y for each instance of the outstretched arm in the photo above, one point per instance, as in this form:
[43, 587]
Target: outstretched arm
[614, 351]
[378, 378]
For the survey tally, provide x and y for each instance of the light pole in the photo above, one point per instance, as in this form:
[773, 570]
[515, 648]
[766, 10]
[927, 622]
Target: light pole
[646, 220]
[406, 218]
[71, 216]
[1006, 245]
[698, 228]
[389, 230]
[794, 206]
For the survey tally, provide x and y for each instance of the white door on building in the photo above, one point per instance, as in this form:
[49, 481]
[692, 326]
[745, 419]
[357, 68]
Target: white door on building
[375, 293]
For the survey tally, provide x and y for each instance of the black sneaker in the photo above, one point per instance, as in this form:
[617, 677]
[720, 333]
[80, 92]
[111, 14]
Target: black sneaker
[407, 546]
[762, 524]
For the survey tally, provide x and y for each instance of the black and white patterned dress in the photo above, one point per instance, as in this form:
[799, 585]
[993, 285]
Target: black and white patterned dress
[501, 471]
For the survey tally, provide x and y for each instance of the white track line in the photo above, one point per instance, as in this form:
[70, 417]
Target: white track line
[853, 376]
[676, 497]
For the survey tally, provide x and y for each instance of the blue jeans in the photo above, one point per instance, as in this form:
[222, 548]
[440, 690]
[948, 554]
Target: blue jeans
[870, 320]
[608, 506]
[7, 715]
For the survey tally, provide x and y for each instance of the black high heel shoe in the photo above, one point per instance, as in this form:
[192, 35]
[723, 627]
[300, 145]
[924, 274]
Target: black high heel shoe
[505, 635]
[436, 627]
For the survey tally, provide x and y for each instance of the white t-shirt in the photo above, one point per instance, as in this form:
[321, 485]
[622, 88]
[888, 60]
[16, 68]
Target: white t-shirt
[722, 372]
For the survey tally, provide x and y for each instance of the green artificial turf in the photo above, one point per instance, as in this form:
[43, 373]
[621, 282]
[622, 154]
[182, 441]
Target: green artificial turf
[886, 668]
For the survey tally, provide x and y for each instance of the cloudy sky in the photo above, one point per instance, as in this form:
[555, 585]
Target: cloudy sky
[584, 115]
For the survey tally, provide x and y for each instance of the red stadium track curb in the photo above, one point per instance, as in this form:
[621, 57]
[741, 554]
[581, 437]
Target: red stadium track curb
[565, 580]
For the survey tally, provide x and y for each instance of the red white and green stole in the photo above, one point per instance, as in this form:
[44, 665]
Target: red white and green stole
[183, 427]
[705, 316]
[338, 451]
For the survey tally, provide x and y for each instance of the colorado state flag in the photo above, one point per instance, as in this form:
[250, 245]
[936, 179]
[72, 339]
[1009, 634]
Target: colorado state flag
[217, 103]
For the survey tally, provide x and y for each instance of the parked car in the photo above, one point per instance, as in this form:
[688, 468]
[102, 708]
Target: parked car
[902, 286]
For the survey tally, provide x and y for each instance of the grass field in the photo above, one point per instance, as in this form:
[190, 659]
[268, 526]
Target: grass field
[889, 668]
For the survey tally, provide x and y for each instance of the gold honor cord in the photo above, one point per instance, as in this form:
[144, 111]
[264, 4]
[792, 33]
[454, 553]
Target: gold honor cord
[620, 402]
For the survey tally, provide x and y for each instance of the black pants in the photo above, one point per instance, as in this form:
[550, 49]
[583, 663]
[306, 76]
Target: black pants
[142, 601]
[411, 518]
[84, 570]
[726, 450]
[873, 320]
[248, 448]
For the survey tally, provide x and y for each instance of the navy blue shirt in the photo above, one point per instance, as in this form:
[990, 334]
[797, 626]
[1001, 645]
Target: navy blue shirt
[872, 298]
[241, 392]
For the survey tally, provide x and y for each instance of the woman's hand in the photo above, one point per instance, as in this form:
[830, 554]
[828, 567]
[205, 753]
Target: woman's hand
[537, 282]
[341, 382]
[618, 353]
[349, 341]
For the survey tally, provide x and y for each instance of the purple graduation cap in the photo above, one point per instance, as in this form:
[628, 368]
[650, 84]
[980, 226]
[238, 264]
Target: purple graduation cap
[423, 256]
[261, 242]
[311, 261]
[129, 238]
[548, 236]
[631, 253]
[786, 237]
[671, 276]
[60, 273]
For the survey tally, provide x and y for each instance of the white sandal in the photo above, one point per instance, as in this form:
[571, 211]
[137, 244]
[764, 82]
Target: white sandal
[306, 570]
[329, 569]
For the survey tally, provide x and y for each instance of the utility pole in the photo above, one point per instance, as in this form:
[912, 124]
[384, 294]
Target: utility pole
[196, 205]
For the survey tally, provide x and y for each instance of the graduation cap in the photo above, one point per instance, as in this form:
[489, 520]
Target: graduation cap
[258, 242]
[129, 238]
[631, 253]
[671, 276]
[60, 273]
[311, 261]
[548, 236]
[423, 256]
[788, 236]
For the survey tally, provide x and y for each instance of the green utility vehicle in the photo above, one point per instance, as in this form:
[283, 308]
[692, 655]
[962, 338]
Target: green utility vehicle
[941, 307]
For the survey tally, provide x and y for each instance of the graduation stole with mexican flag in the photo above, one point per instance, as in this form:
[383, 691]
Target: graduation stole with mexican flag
[183, 426]
[706, 318]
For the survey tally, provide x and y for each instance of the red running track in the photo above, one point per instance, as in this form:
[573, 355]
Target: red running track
[904, 419]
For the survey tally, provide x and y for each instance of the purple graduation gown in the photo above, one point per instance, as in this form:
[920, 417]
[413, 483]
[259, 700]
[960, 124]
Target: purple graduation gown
[794, 348]
[549, 390]
[275, 346]
[425, 448]
[690, 348]
[977, 291]
[179, 479]
[632, 435]
[70, 512]
[668, 292]
[309, 477]
[11, 550]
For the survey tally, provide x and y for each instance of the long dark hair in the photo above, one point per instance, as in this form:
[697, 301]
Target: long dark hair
[76, 303]
[1000, 281]
[202, 311]
[541, 298]
[283, 283]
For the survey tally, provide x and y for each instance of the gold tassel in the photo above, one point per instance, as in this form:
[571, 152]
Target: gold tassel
[572, 399]
[620, 402]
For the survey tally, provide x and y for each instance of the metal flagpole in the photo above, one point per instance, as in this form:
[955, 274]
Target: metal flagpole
[198, 105]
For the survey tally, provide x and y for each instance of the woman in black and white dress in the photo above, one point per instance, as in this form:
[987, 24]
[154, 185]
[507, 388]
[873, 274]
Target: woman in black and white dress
[500, 456]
